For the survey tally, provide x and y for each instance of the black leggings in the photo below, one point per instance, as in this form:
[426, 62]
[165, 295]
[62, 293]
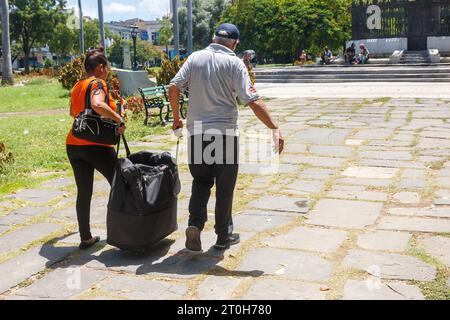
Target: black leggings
[84, 160]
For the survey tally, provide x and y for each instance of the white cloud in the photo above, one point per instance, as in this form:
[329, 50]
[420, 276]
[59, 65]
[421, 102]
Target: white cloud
[116, 7]
[155, 7]
[87, 11]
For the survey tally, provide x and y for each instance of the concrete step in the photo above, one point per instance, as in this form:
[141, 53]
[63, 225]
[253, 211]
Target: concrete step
[355, 76]
[356, 67]
[405, 73]
[350, 72]
[415, 57]
[351, 80]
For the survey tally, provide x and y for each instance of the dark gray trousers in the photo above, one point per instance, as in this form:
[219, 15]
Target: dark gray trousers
[217, 166]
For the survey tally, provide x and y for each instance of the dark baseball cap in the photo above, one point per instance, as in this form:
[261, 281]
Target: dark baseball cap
[228, 30]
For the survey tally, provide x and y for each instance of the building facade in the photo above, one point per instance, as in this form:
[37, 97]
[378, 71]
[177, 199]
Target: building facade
[147, 30]
[412, 25]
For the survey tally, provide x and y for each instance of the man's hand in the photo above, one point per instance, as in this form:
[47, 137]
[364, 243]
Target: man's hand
[278, 141]
[177, 124]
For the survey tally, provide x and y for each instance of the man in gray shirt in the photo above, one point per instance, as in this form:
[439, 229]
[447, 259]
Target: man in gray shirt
[216, 77]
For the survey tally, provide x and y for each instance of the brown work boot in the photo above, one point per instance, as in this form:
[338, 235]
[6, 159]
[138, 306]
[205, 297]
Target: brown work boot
[193, 241]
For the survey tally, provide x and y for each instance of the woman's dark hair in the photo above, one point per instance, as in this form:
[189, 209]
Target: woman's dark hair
[95, 57]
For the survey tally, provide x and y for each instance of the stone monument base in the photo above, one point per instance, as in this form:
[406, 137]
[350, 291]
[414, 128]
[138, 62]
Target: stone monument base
[131, 81]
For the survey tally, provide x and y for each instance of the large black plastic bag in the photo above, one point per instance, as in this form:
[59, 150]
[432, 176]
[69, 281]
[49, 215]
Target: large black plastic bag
[142, 208]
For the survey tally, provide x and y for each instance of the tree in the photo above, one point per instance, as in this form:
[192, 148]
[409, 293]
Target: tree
[115, 51]
[166, 33]
[146, 51]
[7, 76]
[63, 41]
[205, 16]
[91, 34]
[33, 21]
[280, 29]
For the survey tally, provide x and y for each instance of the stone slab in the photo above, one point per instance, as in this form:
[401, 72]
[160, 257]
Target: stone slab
[156, 262]
[75, 237]
[384, 240]
[387, 155]
[374, 289]
[17, 239]
[364, 182]
[390, 265]
[59, 183]
[217, 288]
[139, 288]
[31, 211]
[332, 151]
[309, 239]
[304, 186]
[13, 219]
[38, 195]
[266, 169]
[414, 224]
[295, 148]
[321, 136]
[413, 183]
[389, 164]
[438, 247]
[63, 283]
[358, 195]
[407, 197]
[317, 173]
[370, 172]
[435, 212]
[281, 203]
[287, 264]
[30, 263]
[272, 289]
[258, 221]
[344, 213]
[325, 162]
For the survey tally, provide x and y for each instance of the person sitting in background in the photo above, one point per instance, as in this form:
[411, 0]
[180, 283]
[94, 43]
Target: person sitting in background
[364, 56]
[303, 58]
[326, 56]
[350, 54]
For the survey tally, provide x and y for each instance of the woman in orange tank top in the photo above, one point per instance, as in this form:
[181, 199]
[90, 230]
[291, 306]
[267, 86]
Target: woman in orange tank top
[85, 156]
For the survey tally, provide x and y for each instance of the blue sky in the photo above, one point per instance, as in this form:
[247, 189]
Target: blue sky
[124, 9]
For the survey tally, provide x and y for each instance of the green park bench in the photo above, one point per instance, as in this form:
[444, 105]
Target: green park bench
[158, 98]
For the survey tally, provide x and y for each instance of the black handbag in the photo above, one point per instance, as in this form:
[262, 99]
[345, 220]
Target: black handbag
[92, 127]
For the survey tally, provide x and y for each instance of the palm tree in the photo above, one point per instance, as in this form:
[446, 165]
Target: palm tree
[7, 76]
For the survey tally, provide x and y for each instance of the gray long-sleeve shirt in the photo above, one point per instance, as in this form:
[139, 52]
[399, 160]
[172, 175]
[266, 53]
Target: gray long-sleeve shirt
[215, 77]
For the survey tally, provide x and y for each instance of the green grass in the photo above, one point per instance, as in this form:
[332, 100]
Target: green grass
[40, 93]
[382, 100]
[436, 289]
[38, 144]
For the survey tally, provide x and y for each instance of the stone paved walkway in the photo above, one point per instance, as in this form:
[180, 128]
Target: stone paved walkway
[360, 209]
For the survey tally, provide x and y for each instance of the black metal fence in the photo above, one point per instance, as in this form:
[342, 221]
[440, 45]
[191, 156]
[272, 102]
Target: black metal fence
[402, 18]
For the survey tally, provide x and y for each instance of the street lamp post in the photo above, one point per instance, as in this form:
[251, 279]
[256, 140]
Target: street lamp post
[134, 34]
[81, 28]
[176, 28]
[100, 23]
[189, 22]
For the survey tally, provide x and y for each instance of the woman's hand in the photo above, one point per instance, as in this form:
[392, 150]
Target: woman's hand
[122, 129]
[121, 125]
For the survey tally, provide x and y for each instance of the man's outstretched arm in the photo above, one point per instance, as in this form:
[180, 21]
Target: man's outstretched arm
[263, 114]
[174, 97]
